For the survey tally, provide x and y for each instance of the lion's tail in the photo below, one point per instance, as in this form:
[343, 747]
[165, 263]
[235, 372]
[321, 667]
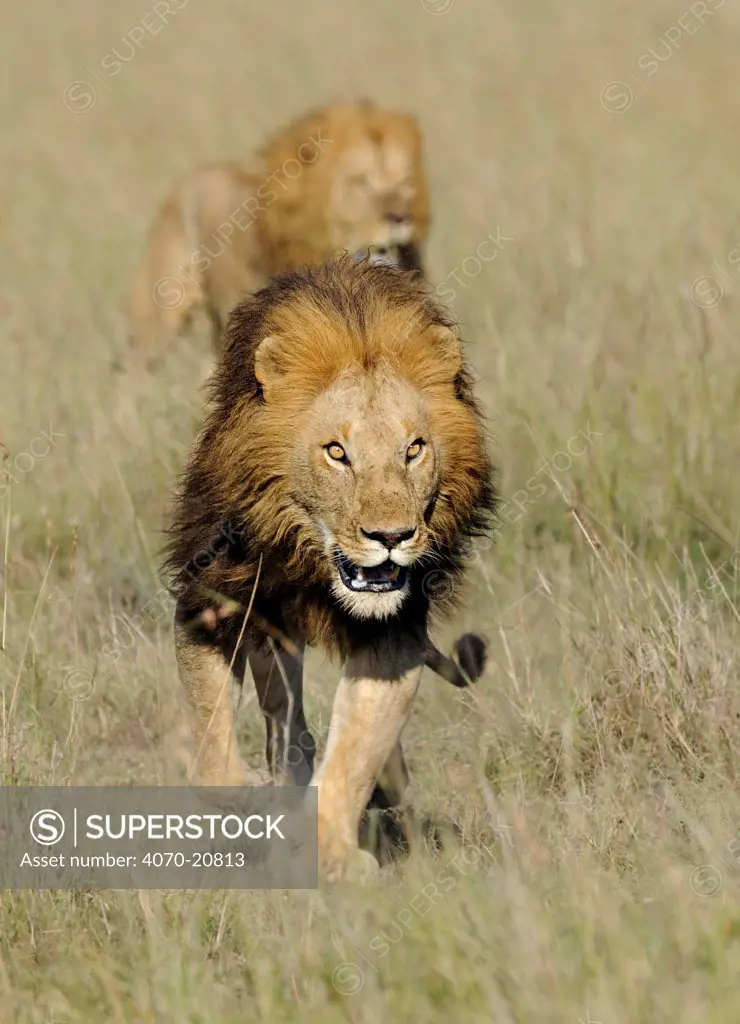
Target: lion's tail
[470, 660]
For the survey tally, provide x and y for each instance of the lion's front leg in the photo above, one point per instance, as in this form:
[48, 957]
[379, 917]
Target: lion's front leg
[210, 684]
[370, 710]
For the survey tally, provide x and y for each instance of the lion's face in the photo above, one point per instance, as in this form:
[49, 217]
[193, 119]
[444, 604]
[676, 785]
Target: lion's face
[365, 192]
[368, 454]
[374, 203]
[369, 463]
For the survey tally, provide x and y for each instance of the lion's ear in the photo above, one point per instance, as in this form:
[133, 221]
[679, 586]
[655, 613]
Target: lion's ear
[269, 363]
[447, 349]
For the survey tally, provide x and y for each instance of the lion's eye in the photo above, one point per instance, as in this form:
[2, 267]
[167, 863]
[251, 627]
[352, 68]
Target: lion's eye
[415, 449]
[336, 452]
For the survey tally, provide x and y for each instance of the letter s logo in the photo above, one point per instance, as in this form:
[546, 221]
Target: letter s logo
[47, 827]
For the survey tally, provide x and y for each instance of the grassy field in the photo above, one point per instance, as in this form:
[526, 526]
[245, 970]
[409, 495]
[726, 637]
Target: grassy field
[592, 772]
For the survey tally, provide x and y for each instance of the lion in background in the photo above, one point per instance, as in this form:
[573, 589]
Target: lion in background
[333, 492]
[342, 177]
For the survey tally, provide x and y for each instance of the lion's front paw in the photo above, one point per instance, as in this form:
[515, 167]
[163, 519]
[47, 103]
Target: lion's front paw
[348, 865]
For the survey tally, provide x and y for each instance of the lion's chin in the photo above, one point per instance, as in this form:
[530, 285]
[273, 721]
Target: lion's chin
[369, 592]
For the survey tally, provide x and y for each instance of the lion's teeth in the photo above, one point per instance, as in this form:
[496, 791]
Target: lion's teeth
[360, 576]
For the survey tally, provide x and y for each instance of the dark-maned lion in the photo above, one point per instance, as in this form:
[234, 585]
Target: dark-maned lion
[342, 467]
[343, 177]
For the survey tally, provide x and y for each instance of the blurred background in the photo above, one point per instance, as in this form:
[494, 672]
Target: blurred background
[592, 774]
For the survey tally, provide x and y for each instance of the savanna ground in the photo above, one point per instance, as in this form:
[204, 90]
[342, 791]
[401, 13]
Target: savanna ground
[591, 773]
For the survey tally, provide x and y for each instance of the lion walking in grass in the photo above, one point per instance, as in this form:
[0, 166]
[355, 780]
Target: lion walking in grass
[342, 465]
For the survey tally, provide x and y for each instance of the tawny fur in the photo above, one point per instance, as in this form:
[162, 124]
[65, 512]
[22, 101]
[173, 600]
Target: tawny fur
[343, 177]
[197, 256]
[367, 187]
[357, 355]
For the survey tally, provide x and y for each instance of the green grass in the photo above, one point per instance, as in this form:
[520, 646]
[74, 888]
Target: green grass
[591, 773]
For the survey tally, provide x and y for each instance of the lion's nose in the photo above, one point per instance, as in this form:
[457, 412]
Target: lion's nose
[390, 538]
[396, 218]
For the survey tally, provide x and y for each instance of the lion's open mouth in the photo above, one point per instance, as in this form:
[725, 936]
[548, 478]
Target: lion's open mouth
[376, 579]
[377, 255]
[404, 257]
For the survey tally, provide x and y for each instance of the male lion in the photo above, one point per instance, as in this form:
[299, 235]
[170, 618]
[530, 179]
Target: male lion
[343, 177]
[333, 493]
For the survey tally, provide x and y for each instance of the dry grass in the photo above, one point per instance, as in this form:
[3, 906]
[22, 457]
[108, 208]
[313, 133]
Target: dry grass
[593, 770]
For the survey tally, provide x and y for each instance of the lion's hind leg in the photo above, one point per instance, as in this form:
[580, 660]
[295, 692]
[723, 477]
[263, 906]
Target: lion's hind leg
[393, 781]
[278, 679]
[386, 826]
